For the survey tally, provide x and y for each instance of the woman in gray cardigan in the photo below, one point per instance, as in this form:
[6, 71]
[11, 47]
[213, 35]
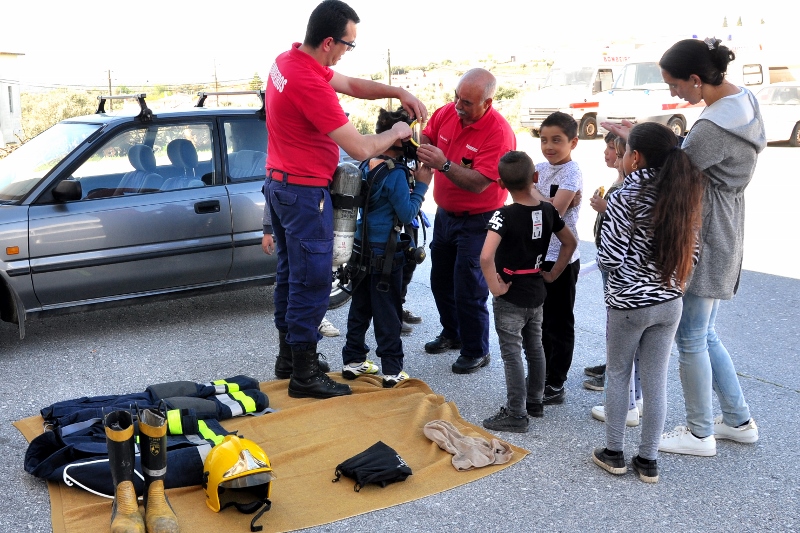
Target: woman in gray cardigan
[724, 143]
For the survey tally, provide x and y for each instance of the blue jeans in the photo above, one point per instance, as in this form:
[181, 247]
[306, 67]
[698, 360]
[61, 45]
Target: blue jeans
[302, 221]
[457, 282]
[705, 363]
[518, 329]
[384, 309]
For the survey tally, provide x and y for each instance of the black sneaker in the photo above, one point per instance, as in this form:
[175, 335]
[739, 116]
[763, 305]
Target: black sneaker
[411, 318]
[535, 409]
[609, 461]
[505, 421]
[595, 371]
[646, 469]
[441, 344]
[596, 383]
[553, 396]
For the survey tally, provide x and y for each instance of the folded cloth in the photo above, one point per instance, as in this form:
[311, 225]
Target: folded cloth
[378, 464]
[468, 452]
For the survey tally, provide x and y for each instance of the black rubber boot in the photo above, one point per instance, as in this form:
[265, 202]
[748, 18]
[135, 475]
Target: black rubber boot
[308, 381]
[125, 516]
[159, 516]
[283, 364]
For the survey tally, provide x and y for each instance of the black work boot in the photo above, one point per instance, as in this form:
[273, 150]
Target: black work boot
[308, 381]
[159, 516]
[283, 364]
[125, 516]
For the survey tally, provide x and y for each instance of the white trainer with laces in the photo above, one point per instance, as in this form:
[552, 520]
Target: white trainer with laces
[681, 440]
[631, 420]
[353, 370]
[391, 381]
[747, 434]
[327, 329]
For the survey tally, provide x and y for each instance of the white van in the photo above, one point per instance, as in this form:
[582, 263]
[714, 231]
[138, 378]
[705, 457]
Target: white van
[571, 87]
[639, 93]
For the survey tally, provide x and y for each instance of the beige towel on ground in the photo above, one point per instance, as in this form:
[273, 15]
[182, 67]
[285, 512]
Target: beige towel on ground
[468, 452]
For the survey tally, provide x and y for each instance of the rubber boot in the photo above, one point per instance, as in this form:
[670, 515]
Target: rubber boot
[159, 516]
[283, 364]
[125, 515]
[308, 381]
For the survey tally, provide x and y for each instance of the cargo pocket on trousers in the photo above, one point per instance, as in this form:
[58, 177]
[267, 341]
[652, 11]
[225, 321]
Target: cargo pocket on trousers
[318, 260]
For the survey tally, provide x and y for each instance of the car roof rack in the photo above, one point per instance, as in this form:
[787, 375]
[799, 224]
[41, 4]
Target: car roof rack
[203, 95]
[145, 115]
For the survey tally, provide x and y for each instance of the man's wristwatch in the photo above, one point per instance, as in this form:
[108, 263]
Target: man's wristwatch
[446, 166]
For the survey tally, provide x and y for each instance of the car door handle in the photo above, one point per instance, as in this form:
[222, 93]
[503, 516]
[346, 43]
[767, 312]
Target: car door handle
[210, 206]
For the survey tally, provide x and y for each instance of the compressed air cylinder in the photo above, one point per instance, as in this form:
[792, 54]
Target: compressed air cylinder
[347, 183]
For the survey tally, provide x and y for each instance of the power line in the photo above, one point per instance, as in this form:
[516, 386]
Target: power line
[103, 88]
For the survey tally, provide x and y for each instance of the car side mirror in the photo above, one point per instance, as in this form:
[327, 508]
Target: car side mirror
[68, 190]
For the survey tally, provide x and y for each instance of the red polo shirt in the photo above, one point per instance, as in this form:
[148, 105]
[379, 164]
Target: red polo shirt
[302, 109]
[478, 146]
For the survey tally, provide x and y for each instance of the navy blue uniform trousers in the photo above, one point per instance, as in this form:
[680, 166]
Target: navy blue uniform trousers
[457, 282]
[302, 222]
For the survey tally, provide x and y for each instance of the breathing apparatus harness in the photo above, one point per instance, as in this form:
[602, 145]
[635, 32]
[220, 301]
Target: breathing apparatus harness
[362, 261]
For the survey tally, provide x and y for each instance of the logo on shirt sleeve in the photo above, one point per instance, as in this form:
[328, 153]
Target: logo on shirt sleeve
[496, 222]
[277, 78]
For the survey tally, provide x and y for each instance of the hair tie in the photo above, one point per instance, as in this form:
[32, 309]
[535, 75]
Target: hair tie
[675, 148]
[711, 42]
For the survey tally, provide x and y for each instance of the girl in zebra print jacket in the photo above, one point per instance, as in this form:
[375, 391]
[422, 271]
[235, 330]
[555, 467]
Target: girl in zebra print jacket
[649, 247]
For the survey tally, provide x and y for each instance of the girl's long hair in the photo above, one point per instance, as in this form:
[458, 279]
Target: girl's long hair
[678, 188]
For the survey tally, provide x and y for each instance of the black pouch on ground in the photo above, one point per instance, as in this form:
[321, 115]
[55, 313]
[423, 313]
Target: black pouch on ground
[378, 464]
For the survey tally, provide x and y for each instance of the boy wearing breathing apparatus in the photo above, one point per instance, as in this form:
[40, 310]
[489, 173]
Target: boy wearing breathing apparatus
[379, 253]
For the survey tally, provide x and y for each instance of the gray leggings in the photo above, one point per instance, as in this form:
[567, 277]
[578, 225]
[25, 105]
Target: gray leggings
[651, 330]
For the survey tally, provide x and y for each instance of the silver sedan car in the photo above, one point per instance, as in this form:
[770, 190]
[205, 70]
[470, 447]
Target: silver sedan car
[108, 210]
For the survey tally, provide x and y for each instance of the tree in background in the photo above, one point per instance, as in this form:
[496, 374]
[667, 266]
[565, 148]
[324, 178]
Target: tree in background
[256, 84]
[42, 110]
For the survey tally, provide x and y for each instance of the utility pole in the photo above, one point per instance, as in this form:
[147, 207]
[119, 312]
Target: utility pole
[389, 64]
[110, 102]
[216, 82]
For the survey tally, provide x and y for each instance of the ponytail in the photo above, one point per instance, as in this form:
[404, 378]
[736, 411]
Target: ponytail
[678, 189]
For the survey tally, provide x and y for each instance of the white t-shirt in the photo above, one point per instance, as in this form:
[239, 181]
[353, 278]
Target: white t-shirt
[567, 176]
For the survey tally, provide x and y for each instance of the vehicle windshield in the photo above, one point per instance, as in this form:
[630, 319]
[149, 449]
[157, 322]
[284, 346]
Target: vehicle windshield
[779, 95]
[21, 170]
[640, 76]
[560, 77]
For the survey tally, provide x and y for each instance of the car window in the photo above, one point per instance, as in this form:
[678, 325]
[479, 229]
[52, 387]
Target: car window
[22, 170]
[149, 159]
[245, 147]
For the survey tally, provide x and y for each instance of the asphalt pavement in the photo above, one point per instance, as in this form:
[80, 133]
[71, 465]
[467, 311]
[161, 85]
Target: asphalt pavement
[746, 487]
[556, 488]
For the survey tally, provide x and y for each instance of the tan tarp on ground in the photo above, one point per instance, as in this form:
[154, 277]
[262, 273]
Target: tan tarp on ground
[305, 441]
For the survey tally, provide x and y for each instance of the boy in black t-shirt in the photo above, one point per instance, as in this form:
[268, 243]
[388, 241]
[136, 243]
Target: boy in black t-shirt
[516, 243]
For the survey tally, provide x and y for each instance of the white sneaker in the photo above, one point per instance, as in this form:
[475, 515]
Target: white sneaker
[353, 370]
[327, 329]
[681, 440]
[390, 381]
[747, 433]
[632, 420]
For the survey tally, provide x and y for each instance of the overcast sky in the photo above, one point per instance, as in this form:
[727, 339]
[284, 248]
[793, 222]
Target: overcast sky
[178, 41]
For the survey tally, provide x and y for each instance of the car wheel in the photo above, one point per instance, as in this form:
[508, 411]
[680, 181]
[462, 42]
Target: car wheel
[339, 296]
[794, 140]
[588, 128]
[676, 125]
